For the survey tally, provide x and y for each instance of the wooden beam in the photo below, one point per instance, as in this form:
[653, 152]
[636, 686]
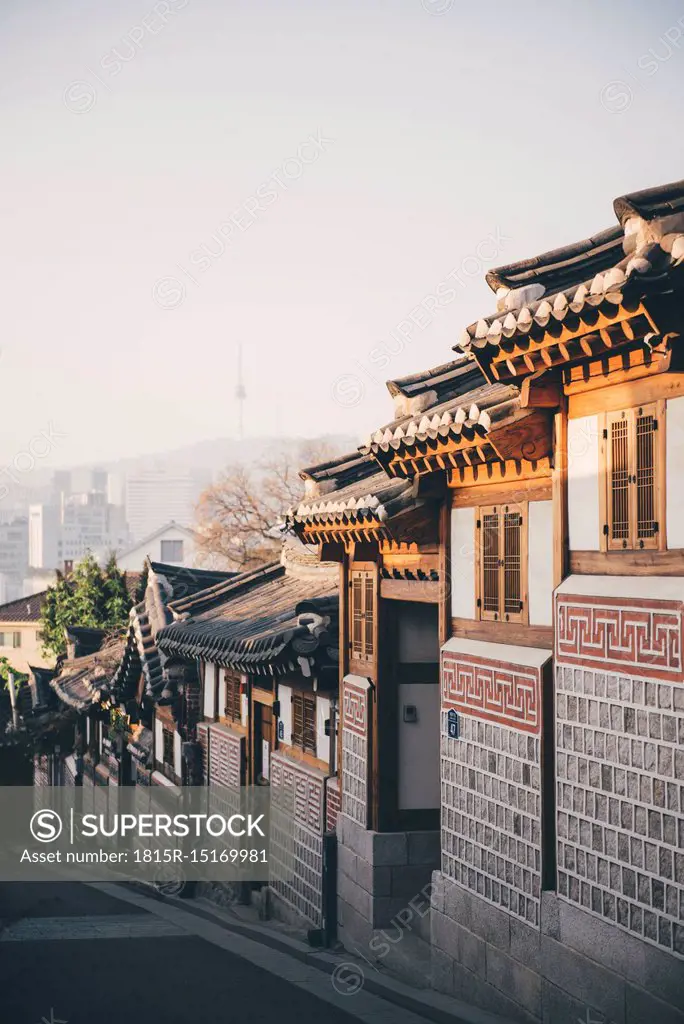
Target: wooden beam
[509, 472]
[503, 632]
[506, 491]
[538, 393]
[423, 591]
[632, 391]
[627, 563]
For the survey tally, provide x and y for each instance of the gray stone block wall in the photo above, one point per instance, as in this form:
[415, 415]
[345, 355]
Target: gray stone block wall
[383, 886]
[573, 968]
[620, 801]
[491, 814]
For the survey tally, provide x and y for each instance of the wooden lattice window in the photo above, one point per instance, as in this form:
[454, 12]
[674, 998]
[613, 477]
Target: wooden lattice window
[304, 722]
[502, 562]
[632, 474]
[232, 708]
[167, 748]
[362, 614]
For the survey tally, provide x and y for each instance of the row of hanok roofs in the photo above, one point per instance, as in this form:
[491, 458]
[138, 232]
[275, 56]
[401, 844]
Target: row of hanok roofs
[475, 677]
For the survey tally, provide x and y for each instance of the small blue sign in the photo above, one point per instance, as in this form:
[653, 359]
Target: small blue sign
[452, 725]
[281, 730]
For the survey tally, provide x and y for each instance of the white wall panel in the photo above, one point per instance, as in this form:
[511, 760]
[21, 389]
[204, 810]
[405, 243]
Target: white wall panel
[463, 563]
[584, 526]
[675, 473]
[540, 570]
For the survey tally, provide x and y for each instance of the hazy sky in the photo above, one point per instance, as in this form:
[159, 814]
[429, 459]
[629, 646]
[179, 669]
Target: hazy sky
[163, 199]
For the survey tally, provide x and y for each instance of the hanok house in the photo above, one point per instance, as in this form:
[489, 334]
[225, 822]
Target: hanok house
[20, 640]
[83, 750]
[259, 652]
[156, 716]
[383, 514]
[560, 888]
[562, 875]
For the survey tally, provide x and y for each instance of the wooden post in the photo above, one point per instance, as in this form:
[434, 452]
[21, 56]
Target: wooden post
[344, 656]
[445, 581]
[559, 488]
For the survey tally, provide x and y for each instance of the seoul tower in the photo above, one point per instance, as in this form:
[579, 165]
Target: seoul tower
[240, 395]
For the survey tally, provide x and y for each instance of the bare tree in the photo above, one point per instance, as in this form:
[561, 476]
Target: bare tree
[238, 516]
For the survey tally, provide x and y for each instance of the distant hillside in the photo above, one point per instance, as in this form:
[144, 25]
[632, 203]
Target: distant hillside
[213, 455]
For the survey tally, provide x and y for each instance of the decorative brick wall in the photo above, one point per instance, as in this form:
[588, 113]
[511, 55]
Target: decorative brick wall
[41, 770]
[641, 637]
[226, 757]
[491, 773]
[333, 803]
[356, 712]
[620, 761]
[296, 841]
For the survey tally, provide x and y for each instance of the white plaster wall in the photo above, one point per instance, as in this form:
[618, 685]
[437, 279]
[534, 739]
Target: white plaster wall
[418, 632]
[221, 691]
[675, 472]
[584, 526]
[419, 783]
[285, 698]
[209, 690]
[244, 702]
[463, 563]
[158, 741]
[177, 755]
[540, 571]
[322, 741]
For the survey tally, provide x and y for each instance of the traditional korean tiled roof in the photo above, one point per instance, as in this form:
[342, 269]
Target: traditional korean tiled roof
[464, 431]
[365, 497]
[604, 276]
[83, 681]
[165, 583]
[42, 695]
[24, 609]
[431, 387]
[279, 620]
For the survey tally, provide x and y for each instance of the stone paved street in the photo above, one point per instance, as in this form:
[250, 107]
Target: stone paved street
[73, 954]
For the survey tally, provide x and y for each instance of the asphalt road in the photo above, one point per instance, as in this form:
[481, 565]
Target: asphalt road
[72, 954]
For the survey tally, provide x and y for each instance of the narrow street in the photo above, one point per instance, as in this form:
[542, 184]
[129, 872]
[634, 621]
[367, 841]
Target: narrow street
[73, 954]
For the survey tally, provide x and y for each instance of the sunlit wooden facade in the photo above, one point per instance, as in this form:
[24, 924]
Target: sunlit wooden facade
[541, 524]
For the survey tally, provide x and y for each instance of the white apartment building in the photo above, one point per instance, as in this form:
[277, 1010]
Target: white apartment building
[155, 497]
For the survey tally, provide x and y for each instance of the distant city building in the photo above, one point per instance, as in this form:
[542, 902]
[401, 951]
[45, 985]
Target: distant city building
[173, 544]
[154, 498]
[73, 524]
[13, 557]
[44, 527]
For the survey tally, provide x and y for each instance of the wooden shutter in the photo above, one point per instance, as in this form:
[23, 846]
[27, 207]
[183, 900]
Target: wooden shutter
[490, 561]
[362, 614]
[309, 724]
[233, 705]
[357, 615]
[512, 563]
[502, 563]
[618, 477]
[632, 477]
[646, 477]
[297, 719]
[304, 722]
